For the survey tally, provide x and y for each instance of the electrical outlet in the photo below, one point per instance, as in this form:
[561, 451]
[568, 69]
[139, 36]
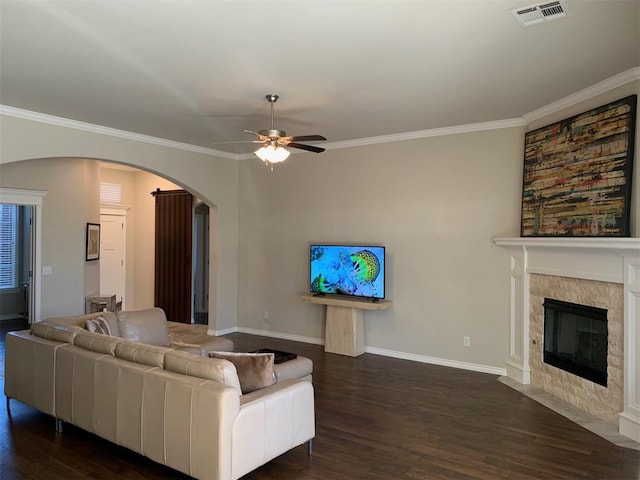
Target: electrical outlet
[265, 314]
[466, 341]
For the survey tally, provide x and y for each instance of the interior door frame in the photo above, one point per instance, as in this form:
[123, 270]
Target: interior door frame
[122, 212]
[200, 258]
[34, 199]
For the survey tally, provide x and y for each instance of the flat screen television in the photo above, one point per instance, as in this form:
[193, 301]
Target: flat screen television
[355, 270]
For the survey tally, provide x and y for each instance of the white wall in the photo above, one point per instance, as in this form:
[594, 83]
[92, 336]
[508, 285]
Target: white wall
[434, 203]
[214, 180]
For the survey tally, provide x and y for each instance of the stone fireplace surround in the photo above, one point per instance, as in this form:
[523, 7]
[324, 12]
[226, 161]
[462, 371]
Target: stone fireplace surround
[610, 260]
[602, 402]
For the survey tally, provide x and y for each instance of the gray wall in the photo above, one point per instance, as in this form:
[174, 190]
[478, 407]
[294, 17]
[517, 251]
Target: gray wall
[68, 206]
[434, 203]
[212, 179]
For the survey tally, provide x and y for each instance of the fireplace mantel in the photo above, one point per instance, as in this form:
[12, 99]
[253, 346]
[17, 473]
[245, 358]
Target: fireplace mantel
[615, 260]
[590, 243]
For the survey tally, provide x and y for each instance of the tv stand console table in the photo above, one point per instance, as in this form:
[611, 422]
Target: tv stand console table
[345, 322]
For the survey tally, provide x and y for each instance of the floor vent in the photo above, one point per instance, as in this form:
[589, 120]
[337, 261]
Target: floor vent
[539, 13]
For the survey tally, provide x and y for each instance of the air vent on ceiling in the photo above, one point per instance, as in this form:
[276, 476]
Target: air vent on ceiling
[539, 13]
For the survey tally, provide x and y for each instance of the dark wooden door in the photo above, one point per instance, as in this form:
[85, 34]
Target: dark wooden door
[173, 253]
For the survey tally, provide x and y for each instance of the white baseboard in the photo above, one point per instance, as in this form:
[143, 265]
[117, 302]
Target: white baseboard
[283, 336]
[381, 351]
[629, 426]
[224, 331]
[518, 373]
[443, 362]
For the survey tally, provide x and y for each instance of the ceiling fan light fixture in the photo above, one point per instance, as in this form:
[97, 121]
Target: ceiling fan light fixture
[272, 154]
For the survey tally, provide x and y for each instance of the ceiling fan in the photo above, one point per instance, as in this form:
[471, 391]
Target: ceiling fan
[274, 141]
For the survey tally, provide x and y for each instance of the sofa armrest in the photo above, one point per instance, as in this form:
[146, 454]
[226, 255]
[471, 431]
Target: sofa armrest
[272, 421]
[30, 369]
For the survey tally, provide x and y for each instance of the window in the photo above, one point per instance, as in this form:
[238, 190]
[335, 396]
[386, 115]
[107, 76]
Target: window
[8, 246]
[110, 193]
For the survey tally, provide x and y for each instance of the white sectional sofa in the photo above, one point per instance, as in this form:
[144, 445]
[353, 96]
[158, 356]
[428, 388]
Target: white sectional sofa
[178, 408]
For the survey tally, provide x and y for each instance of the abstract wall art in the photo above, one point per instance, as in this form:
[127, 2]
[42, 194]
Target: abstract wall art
[577, 174]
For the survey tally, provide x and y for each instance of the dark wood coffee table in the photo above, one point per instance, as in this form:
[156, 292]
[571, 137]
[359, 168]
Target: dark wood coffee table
[278, 356]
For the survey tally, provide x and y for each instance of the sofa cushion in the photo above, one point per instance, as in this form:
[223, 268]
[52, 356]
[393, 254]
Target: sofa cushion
[97, 342]
[300, 367]
[81, 321]
[59, 333]
[217, 369]
[147, 326]
[194, 338]
[255, 370]
[151, 355]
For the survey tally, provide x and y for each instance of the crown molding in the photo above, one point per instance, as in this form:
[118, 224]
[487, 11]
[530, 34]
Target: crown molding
[616, 81]
[401, 137]
[434, 132]
[398, 137]
[112, 132]
[628, 76]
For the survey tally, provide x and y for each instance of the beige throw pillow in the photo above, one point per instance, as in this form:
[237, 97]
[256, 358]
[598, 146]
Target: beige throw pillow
[255, 370]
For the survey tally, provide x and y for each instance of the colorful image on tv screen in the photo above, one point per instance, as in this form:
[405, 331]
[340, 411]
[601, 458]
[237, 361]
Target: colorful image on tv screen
[347, 270]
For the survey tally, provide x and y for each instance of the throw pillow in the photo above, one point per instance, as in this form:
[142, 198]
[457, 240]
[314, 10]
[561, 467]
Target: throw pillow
[146, 326]
[98, 325]
[255, 370]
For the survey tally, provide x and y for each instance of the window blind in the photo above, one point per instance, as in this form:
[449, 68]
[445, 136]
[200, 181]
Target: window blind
[110, 193]
[8, 246]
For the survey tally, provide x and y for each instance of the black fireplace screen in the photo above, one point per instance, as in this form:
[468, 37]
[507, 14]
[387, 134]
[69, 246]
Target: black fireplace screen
[575, 339]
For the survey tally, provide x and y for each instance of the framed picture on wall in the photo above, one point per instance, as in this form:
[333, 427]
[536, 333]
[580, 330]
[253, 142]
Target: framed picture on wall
[577, 174]
[93, 241]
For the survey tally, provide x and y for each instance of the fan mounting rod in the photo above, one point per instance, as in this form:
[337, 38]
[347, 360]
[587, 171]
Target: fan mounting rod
[272, 132]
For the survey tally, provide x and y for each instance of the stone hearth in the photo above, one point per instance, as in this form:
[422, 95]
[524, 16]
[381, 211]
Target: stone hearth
[580, 270]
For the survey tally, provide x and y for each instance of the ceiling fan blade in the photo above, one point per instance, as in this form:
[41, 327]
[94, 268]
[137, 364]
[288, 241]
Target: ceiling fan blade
[306, 138]
[237, 141]
[309, 148]
[262, 137]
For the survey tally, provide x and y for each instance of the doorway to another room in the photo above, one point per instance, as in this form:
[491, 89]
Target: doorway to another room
[113, 241]
[15, 262]
[201, 264]
[21, 267]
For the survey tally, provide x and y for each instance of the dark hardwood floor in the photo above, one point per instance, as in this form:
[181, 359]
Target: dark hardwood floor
[377, 418]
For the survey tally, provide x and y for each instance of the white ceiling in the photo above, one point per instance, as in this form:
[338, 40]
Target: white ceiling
[197, 71]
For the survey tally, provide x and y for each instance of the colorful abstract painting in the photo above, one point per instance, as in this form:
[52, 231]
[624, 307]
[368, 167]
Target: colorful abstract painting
[577, 174]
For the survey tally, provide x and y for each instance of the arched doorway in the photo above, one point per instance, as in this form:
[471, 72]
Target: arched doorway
[59, 208]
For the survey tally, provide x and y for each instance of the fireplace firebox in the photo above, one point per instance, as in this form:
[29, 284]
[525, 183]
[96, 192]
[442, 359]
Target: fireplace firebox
[576, 339]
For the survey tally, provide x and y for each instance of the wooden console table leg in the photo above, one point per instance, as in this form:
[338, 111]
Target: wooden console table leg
[344, 331]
